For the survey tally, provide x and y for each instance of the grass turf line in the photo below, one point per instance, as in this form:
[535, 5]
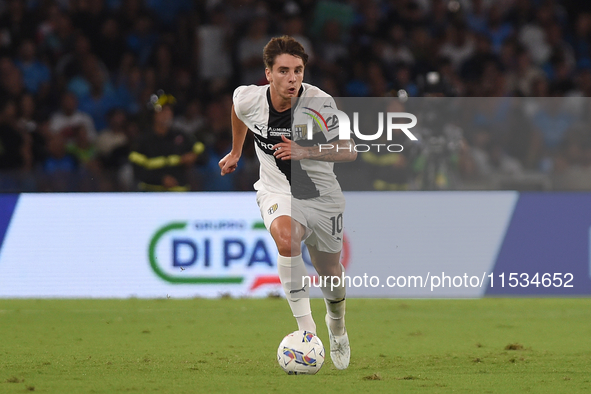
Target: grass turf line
[229, 345]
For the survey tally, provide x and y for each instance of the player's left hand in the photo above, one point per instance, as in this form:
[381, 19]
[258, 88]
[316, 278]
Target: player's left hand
[289, 150]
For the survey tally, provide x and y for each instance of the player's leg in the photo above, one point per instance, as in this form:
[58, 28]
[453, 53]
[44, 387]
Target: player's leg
[288, 235]
[328, 264]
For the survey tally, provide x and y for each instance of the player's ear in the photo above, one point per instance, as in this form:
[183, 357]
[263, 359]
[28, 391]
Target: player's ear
[268, 75]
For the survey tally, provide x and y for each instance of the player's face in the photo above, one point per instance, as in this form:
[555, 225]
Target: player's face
[286, 76]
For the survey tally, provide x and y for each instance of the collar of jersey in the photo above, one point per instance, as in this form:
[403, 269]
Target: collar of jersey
[271, 108]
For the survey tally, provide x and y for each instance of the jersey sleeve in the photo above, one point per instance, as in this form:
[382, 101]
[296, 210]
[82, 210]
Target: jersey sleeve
[332, 121]
[243, 102]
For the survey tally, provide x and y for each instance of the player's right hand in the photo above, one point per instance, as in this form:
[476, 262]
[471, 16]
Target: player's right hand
[229, 163]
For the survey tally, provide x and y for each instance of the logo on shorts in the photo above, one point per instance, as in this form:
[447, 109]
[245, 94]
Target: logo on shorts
[272, 209]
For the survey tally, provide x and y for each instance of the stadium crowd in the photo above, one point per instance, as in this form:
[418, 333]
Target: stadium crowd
[76, 75]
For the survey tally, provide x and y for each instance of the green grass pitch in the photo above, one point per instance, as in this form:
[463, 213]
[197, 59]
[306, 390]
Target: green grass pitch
[228, 345]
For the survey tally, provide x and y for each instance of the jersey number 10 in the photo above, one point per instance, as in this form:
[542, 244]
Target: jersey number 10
[337, 224]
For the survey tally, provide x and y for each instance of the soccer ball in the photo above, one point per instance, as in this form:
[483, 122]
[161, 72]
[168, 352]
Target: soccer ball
[301, 353]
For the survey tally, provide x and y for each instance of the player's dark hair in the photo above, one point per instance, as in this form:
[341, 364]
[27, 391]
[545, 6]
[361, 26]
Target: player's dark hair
[280, 45]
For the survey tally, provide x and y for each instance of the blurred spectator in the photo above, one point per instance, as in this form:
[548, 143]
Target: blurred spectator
[372, 27]
[130, 85]
[491, 159]
[581, 38]
[551, 122]
[69, 118]
[497, 30]
[15, 147]
[421, 46]
[110, 46]
[560, 50]
[60, 168]
[96, 94]
[572, 165]
[217, 123]
[533, 35]
[129, 12]
[142, 39]
[163, 67]
[213, 48]
[36, 130]
[332, 52]
[438, 20]
[59, 37]
[16, 25]
[192, 121]
[168, 10]
[49, 21]
[473, 67]
[403, 80]
[294, 27]
[520, 79]
[11, 79]
[357, 85]
[520, 13]
[396, 50]
[331, 86]
[378, 85]
[26, 120]
[459, 45]
[213, 181]
[82, 69]
[162, 156]
[36, 75]
[477, 17]
[248, 173]
[112, 144]
[342, 15]
[89, 16]
[82, 148]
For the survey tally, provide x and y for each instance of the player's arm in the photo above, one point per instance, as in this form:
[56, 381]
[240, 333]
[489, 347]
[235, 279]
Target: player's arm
[336, 151]
[229, 163]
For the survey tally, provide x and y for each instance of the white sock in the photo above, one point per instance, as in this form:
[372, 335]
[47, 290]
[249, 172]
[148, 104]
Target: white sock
[334, 298]
[292, 271]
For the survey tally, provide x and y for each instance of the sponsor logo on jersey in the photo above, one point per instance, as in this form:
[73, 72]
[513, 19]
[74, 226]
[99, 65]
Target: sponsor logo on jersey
[330, 123]
[262, 129]
[278, 132]
[267, 147]
[272, 209]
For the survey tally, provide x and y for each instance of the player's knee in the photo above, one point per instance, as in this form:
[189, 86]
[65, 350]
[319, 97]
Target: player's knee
[288, 249]
[286, 246]
[287, 239]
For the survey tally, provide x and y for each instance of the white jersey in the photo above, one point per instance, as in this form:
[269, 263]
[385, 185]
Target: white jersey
[303, 179]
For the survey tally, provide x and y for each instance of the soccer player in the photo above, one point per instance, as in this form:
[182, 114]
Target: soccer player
[297, 193]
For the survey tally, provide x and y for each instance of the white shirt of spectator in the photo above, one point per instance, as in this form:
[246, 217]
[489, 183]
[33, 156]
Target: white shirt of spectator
[61, 122]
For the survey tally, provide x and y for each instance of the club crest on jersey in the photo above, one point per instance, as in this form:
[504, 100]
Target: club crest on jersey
[300, 132]
[272, 209]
